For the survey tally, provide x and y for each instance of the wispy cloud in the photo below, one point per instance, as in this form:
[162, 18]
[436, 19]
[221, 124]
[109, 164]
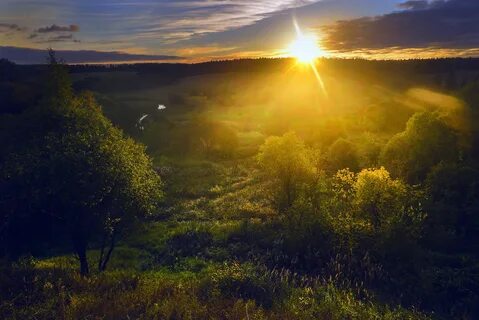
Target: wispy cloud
[414, 4]
[55, 33]
[212, 28]
[181, 20]
[57, 28]
[57, 38]
[452, 24]
[146, 22]
[34, 56]
[10, 27]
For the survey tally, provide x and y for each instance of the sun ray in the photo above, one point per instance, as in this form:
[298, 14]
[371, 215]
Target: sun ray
[306, 51]
[318, 77]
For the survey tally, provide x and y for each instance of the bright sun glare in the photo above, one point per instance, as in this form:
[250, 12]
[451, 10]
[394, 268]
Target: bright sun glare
[304, 48]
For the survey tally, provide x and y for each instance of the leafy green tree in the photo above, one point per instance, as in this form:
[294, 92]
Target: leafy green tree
[286, 162]
[426, 141]
[372, 200]
[454, 192]
[379, 199]
[342, 154]
[76, 174]
[58, 87]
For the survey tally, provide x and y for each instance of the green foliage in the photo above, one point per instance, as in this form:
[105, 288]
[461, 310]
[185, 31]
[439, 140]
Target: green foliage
[342, 154]
[369, 148]
[379, 199]
[58, 84]
[350, 244]
[286, 163]
[377, 222]
[216, 138]
[191, 243]
[76, 175]
[453, 184]
[204, 137]
[330, 303]
[454, 192]
[243, 282]
[426, 141]
[232, 291]
[376, 202]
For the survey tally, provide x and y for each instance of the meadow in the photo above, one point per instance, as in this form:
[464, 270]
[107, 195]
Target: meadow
[283, 195]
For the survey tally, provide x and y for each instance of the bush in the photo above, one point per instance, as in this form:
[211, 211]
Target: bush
[243, 281]
[426, 141]
[327, 302]
[192, 243]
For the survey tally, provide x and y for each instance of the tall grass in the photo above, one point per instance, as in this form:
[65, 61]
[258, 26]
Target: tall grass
[224, 291]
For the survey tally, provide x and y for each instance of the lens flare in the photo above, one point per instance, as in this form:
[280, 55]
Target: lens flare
[306, 50]
[305, 47]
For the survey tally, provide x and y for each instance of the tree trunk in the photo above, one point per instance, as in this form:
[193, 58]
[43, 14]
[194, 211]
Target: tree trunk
[80, 245]
[103, 263]
[102, 253]
[84, 269]
[376, 220]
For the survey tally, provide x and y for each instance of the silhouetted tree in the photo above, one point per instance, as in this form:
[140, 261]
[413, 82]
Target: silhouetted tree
[454, 192]
[75, 173]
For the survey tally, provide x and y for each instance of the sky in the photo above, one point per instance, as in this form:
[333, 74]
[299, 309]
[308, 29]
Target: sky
[198, 30]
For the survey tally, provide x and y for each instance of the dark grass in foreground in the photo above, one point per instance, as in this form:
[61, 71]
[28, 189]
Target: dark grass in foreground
[219, 291]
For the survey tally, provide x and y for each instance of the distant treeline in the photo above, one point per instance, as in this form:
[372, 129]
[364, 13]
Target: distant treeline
[256, 65]
[279, 64]
[21, 85]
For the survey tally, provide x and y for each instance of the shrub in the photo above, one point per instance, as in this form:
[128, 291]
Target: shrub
[286, 163]
[243, 281]
[426, 141]
[192, 243]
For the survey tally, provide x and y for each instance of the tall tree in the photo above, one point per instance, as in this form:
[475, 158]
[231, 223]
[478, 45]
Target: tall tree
[426, 141]
[287, 164]
[75, 173]
[342, 154]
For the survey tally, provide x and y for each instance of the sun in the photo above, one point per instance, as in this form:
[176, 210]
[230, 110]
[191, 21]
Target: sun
[305, 48]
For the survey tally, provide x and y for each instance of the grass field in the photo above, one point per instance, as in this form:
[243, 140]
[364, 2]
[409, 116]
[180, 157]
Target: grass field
[363, 238]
